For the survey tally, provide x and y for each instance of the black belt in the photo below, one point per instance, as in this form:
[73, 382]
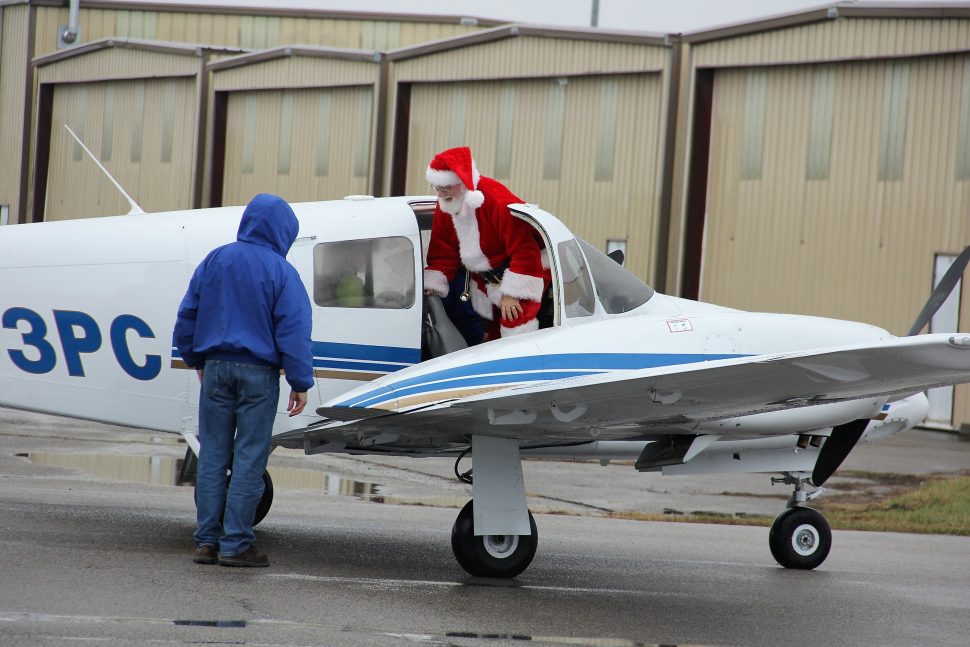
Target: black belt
[494, 277]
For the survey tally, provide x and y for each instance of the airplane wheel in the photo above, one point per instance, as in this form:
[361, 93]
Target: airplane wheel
[491, 555]
[800, 538]
[266, 502]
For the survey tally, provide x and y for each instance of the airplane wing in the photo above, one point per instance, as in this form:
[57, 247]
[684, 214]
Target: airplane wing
[625, 404]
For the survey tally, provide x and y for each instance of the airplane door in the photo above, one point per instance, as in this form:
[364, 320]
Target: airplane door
[366, 314]
[946, 319]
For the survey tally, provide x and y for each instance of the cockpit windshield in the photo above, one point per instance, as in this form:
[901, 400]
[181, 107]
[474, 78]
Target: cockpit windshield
[618, 290]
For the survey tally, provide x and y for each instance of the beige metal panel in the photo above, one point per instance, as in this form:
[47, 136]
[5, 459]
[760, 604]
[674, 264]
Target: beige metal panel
[295, 72]
[303, 145]
[138, 129]
[835, 40]
[239, 29]
[14, 41]
[118, 63]
[610, 127]
[849, 246]
[532, 57]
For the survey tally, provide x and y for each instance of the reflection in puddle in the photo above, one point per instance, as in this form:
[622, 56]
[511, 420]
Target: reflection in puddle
[164, 470]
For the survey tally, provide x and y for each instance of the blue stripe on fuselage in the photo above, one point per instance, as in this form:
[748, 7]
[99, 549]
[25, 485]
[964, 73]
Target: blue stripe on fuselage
[535, 368]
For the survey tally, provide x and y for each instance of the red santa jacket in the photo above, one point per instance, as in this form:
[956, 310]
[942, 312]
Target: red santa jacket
[482, 240]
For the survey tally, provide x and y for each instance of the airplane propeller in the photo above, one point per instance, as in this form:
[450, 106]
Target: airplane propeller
[941, 292]
[845, 436]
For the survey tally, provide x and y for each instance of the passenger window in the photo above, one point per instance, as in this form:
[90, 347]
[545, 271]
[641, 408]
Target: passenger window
[372, 273]
[577, 291]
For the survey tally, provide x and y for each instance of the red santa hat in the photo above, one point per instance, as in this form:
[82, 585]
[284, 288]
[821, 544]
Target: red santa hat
[456, 166]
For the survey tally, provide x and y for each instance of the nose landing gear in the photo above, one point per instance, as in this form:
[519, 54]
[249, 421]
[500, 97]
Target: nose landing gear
[800, 536]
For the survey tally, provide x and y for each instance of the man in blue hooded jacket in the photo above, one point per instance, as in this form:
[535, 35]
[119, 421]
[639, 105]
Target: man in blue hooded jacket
[244, 316]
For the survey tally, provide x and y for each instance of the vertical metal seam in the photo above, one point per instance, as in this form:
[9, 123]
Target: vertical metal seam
[555, 126]
[324, 121]
[365, 103]
[284, 141]
[506, 129]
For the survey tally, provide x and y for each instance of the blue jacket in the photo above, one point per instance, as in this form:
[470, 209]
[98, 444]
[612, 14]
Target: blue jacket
[246, 303]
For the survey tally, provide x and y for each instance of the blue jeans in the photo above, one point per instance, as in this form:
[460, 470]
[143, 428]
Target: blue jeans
[237, 407]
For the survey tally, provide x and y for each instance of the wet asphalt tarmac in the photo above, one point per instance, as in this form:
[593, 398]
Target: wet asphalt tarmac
[97, 549]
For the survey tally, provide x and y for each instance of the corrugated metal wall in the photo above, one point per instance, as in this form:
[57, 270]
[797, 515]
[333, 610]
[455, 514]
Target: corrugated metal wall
[836, 40]
[296, 72]
[587, 149]
[300, 144]
[14, 39]
[532, 57]
[833, 186]
[236, 30]
[138, 130]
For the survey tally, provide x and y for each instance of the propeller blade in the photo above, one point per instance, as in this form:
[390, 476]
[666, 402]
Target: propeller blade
[941, 292]
[836, 448]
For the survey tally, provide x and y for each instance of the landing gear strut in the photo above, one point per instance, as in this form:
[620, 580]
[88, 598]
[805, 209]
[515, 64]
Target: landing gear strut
[500, 548]
[800, 537]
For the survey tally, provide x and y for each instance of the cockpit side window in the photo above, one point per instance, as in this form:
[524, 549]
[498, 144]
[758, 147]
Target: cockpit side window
[577, 294]
[370, 273]
[618, 290]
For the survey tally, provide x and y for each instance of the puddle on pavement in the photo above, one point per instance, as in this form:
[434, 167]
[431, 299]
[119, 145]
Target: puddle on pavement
[164, 470]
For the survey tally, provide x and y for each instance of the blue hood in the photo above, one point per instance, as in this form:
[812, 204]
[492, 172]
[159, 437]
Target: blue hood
[269, 221]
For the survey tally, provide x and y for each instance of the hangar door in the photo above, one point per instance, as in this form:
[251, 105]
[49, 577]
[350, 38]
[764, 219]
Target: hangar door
[586, 149]
[141, 130]
[830, 184]
[303, 145]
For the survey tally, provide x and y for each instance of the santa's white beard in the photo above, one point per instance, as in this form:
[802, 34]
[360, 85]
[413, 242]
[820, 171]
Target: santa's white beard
[452, 205]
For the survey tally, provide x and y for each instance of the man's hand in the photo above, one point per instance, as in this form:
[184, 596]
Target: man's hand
[511, 308]
[199, 372]
[296, 403]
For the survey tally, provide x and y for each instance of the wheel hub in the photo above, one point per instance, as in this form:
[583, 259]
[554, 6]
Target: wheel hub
[500, 546]
[805, 540]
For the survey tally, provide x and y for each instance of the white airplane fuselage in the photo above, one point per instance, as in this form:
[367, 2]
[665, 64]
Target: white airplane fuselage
[88, 308]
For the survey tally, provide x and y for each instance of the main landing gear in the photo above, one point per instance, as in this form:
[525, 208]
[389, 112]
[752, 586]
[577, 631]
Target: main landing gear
[800, 537]
[189, 471]
[507, 537]
[491, 555]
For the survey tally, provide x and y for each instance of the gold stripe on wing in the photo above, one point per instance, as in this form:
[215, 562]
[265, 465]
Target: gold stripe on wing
[179, 363]
[360, 376]
[425, 398]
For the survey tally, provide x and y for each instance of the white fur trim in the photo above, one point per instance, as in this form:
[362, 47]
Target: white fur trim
[522, 286]
[480, 303]
[544, 258]
[442, 178]
[469, 243]
[528, 326]
[494, 293]
[437, 281]
[474, 199]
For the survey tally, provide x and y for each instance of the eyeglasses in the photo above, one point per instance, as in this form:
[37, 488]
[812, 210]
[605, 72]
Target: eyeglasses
[439, 188]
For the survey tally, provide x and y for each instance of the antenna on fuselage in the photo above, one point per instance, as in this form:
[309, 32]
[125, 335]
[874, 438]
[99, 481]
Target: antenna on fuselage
[135, 209]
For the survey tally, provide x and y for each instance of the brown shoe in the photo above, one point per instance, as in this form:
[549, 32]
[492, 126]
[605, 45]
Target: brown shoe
[206, 554]
[249, 557]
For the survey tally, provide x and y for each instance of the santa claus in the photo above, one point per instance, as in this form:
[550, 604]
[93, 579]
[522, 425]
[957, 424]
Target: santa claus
[473, 227]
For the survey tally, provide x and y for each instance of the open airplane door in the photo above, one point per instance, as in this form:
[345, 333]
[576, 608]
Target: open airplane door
[362, 270]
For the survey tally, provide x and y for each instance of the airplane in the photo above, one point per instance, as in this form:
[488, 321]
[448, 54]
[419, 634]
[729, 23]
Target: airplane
[619, 372]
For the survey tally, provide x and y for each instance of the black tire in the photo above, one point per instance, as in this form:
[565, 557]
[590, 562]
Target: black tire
[492, 556]
[800, 538]
[265, 502]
